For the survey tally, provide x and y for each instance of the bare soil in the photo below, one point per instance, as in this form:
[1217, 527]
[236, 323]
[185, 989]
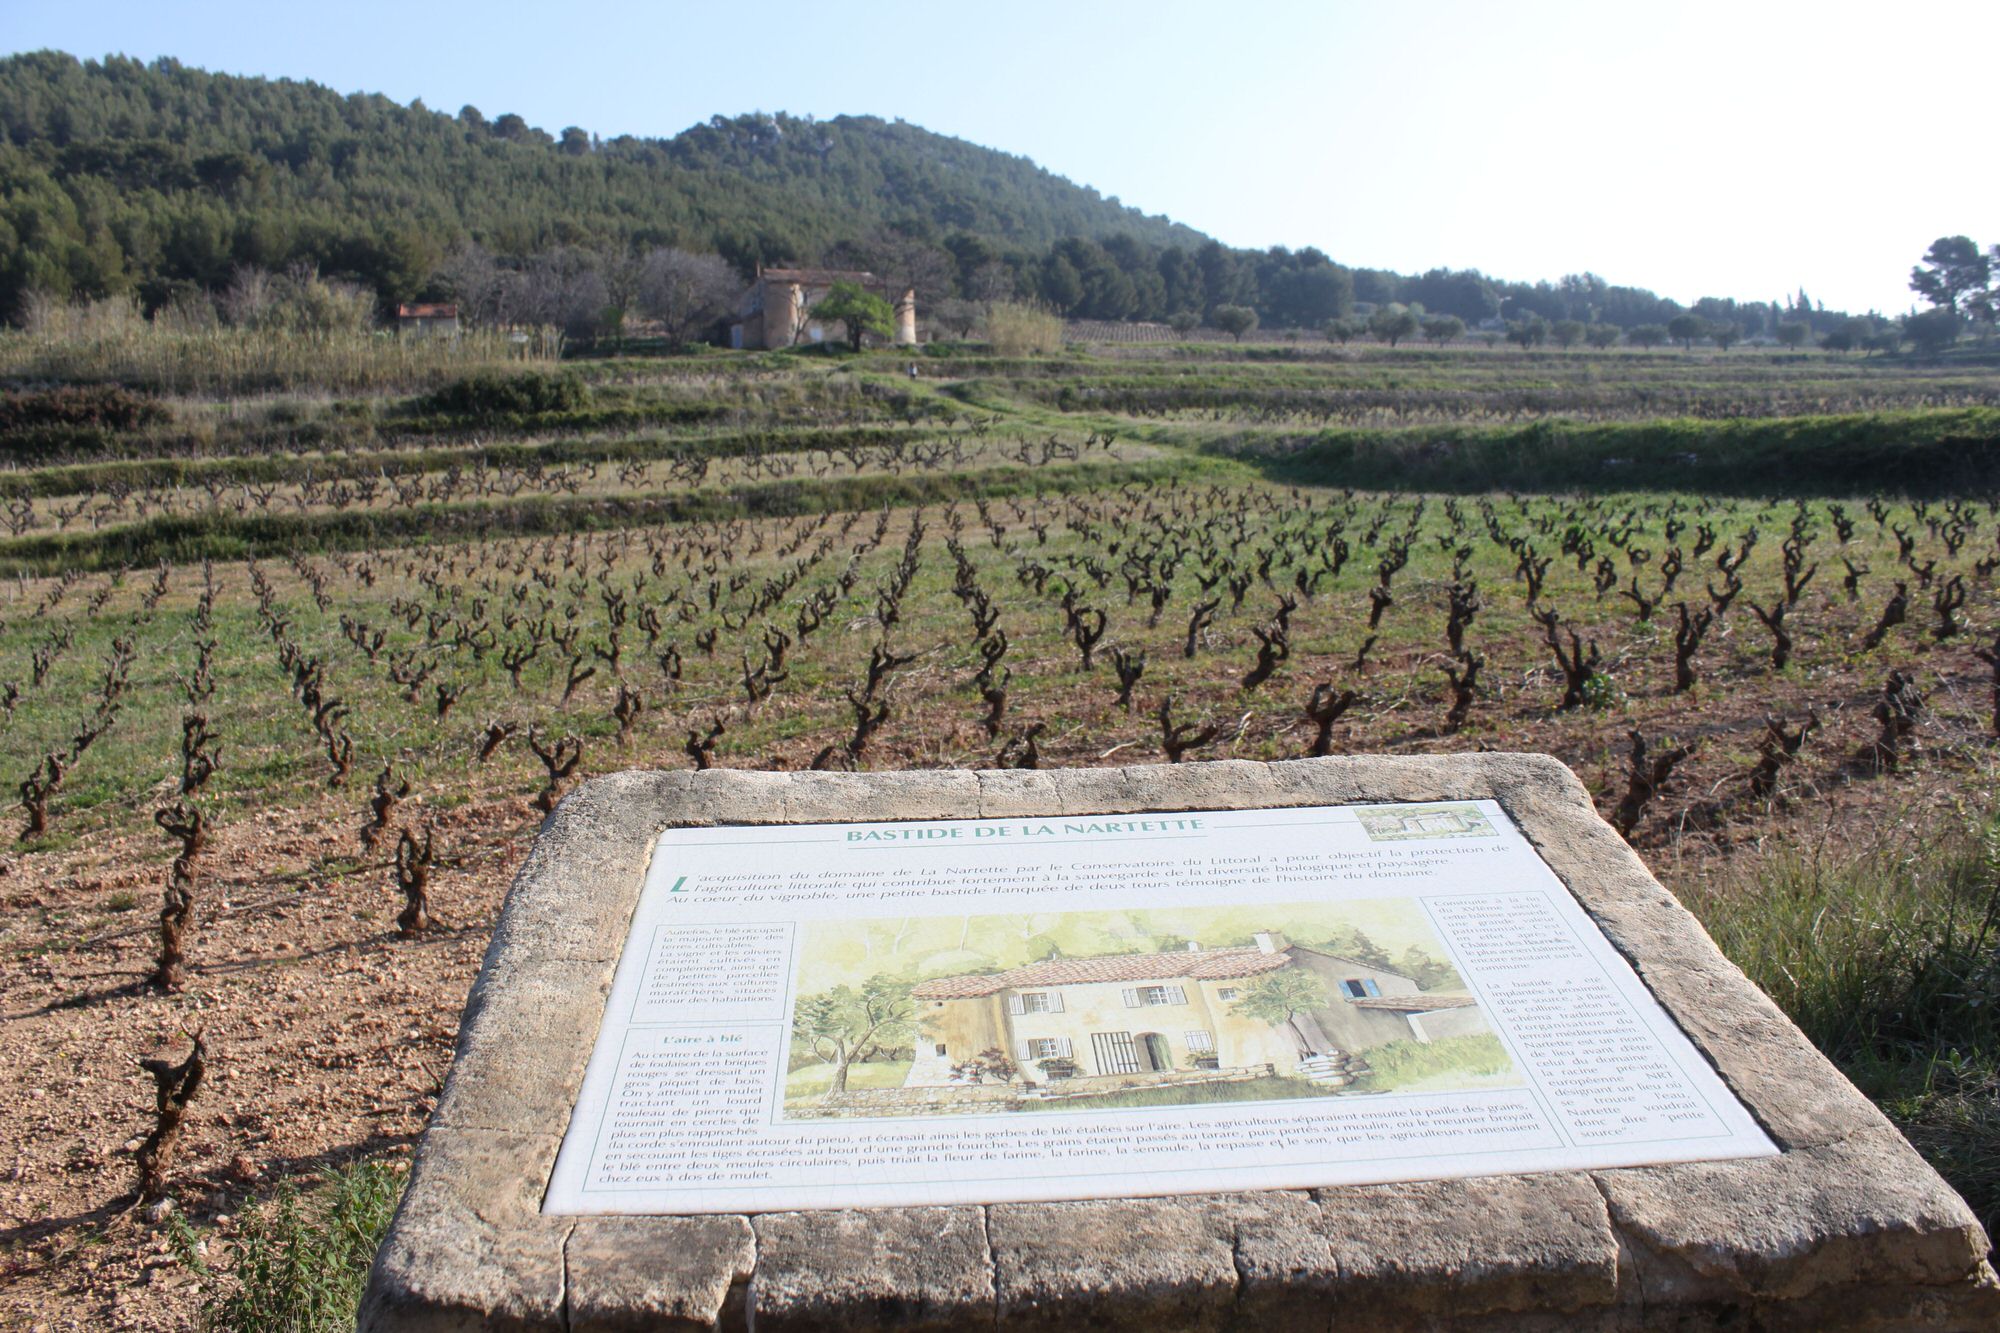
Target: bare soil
[330, 1034]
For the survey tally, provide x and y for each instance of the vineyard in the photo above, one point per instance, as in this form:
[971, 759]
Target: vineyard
[289, 674]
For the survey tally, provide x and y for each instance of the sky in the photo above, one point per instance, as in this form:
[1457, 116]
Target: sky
[1744, 149]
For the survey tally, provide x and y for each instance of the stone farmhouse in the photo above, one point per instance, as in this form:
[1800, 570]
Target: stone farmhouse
[1172, 1012]
[777, 310]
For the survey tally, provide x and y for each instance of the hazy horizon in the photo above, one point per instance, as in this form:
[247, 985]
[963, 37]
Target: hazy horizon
[1787, 146]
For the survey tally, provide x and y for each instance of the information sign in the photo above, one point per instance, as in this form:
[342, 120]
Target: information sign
[1063, 1007]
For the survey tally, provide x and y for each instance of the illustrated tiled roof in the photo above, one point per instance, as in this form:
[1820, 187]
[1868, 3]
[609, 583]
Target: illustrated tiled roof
[1362, 963]
[1173, 965]
[1416, 1004]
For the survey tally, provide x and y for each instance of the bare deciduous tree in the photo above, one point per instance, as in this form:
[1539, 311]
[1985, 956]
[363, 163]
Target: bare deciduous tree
[684, 292]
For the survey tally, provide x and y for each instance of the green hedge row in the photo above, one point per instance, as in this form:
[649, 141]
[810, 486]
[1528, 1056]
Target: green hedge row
[1937, 452]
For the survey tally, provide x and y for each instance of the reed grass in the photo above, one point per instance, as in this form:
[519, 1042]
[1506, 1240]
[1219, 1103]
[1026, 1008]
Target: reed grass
[110, 342]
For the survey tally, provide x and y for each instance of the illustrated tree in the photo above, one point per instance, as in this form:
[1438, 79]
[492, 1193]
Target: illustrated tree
[858, 311]
[845, 1026]
[1234, 320]
[1278, 998]
[1358, 945]
[1427, 971]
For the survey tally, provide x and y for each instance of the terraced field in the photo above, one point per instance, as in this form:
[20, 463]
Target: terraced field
[357, 640]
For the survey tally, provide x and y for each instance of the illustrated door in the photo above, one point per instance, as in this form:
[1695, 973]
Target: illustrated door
[1114, 1052]
[1153, 1047]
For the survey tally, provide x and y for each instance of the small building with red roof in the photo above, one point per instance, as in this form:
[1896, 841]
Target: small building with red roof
[427, 320]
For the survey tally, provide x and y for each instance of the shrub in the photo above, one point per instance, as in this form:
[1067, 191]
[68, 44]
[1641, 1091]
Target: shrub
[1021, 330]
[493, 393]
[103, 406]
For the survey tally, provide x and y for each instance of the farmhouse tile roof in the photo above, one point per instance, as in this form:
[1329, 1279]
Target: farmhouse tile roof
[1416, 1004]
[1195, 965]
[814, 277]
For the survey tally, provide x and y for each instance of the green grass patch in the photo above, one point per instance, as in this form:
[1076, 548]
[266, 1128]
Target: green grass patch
[300, 1257]
[1437, 1066]
[814, 1080]
[1890, 962]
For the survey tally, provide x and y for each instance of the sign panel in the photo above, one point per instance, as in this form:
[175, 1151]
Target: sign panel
[1094, 1006]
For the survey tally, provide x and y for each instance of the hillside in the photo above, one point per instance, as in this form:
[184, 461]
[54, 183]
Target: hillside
[118, 173]
[161, 180]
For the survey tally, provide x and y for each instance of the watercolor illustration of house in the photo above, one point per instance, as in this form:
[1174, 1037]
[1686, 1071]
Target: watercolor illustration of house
[1390, 823]
[1173, 1012]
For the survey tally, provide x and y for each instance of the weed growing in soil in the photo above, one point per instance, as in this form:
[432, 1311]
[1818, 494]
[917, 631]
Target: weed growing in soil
[301, 1258]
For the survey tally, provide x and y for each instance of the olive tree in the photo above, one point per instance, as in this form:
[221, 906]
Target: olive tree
[1234, 320]
[1530, 332]
[1684, 329]
[1394, 322]
[1441, 329]
[1278, 998]
[1342, 329]
[844, 1026]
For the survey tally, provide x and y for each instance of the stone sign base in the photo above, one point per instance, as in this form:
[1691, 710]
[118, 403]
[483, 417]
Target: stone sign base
[1847, 1228]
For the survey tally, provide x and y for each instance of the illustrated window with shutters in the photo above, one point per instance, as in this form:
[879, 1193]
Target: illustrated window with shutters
[1200, 1043]
[1045, 1048]
[1356, 988]
[1114, 1052]
[1225, 993]
[1035, 1002]
[1139, 997]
